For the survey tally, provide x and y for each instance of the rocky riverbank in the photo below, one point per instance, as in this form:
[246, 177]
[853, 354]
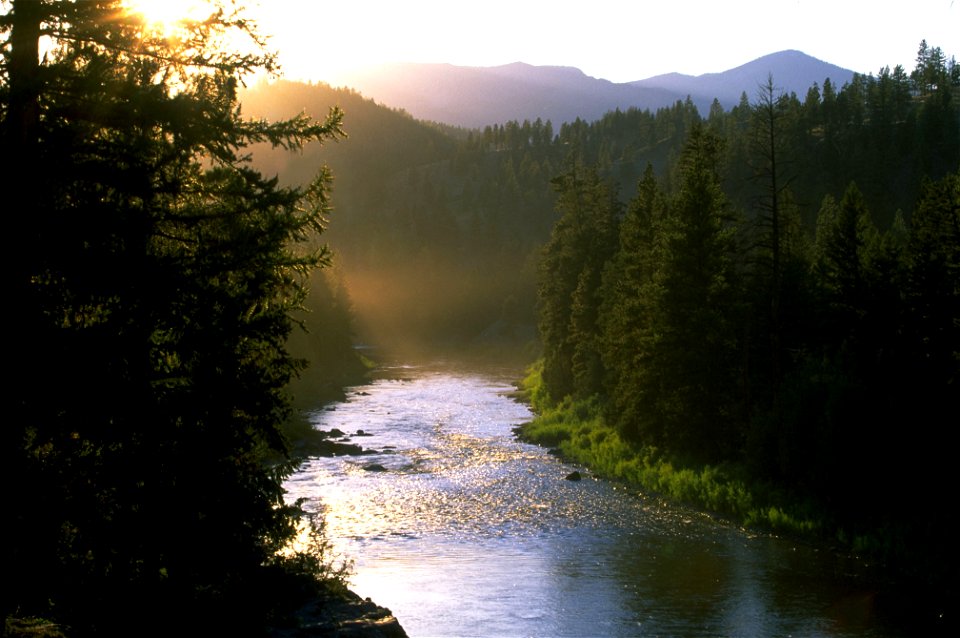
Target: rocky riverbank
[336, 615]
[345, 615]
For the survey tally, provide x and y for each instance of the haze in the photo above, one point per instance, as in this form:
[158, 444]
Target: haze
[617, 41]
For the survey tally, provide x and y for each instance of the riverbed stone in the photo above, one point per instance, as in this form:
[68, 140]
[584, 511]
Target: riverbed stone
[374, 467]
[345, 615]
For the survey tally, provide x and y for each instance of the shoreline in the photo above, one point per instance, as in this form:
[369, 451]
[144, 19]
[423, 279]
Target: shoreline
[342, 615]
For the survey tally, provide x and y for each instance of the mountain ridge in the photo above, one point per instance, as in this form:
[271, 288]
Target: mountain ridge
[796, 72]
[478, 96]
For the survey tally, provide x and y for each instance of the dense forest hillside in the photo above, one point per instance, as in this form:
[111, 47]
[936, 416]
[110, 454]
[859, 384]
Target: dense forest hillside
[770, 286]
[783, 303]
[400, 238]
[437, 230]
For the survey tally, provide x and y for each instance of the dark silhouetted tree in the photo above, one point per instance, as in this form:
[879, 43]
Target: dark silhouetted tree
[153, 277]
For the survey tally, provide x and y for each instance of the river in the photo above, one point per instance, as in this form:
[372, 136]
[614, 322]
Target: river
[462, 530]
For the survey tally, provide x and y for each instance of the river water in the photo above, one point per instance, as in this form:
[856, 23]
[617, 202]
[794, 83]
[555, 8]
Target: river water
[461, 530]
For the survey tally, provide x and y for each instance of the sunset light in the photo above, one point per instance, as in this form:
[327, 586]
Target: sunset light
[609, 39]
[166, 16]
[581, 318]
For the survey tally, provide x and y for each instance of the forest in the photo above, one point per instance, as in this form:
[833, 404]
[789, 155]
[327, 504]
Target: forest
[438, 230]
[781, 304]
[771, 290]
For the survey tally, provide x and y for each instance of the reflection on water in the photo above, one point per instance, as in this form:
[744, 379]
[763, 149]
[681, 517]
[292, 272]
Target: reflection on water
[463, 531]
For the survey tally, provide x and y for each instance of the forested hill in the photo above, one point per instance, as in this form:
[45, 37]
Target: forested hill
[396, 238]
[478, 96]
[380, 139]
[438, 229]
[770, 286]
[435, 228]
[783, 303]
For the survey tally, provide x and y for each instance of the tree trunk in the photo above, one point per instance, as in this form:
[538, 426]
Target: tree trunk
[23, 114]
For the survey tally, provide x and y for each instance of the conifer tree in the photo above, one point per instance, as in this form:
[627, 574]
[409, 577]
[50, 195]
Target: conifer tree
[153, 276]
[570, 270]
[628, 290]
[692, 382]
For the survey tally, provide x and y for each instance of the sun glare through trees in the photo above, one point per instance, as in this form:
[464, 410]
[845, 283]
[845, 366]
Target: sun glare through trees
[167, 16]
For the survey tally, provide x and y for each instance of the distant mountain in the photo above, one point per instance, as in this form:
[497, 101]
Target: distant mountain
[477, 96]
[792, 71]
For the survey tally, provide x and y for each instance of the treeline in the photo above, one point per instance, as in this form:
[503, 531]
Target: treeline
[718, 319]
[325, 343]
[438, 230]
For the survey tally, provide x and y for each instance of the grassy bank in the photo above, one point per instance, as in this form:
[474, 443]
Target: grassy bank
[578, 431]
[920, 551]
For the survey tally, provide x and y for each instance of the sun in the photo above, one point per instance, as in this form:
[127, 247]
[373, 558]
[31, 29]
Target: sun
[167, 16]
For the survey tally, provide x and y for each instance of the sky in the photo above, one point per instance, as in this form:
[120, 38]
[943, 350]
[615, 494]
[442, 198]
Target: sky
[621, 41]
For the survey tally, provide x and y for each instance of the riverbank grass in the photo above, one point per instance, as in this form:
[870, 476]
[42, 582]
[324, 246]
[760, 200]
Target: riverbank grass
[579, 433]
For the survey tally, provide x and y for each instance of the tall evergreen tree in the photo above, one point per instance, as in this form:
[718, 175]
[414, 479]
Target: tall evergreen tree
[153, 274]
[628, 290]
[570, 269]
[843, 233]
[773, 171]
[692, 383]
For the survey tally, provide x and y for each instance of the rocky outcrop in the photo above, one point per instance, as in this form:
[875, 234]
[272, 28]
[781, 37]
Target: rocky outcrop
[320, 443]
[335, 615]
[343, 616]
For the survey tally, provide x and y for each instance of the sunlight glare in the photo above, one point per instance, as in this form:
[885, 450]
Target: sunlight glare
[167, 16]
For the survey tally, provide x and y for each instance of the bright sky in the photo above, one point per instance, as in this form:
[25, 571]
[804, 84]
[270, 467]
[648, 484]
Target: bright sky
[619, 40]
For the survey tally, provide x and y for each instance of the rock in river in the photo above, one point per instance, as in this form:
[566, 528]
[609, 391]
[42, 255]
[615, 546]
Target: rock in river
[374, 467]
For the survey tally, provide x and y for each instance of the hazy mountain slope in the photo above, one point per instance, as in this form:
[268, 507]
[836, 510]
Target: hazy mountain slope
[379, 140]
[792, 71]
[478, 96]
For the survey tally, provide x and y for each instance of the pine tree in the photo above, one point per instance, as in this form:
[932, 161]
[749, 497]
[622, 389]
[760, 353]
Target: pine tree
[628, 288]
[153, 276]
[691, 384]
[570, 270]
[843, 233]
[770, 165]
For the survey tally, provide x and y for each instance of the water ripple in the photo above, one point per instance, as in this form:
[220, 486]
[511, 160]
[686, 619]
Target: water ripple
[462, 530]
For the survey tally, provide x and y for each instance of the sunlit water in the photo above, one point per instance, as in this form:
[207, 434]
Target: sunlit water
[464, 531]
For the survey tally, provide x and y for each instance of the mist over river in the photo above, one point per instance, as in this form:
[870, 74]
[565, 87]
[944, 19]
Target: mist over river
[462, 530]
